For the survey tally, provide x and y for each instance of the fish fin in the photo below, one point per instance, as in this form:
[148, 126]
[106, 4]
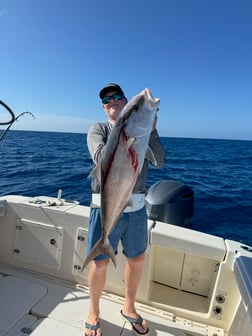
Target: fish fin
[129, 202]
[96, 172]
[130, 142]
[150, 156]
[110, 252]
[100, 248]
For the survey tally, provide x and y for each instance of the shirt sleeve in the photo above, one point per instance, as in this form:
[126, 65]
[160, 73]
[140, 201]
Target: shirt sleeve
[96, 141]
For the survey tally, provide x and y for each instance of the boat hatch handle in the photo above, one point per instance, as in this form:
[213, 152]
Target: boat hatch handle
[246, 248]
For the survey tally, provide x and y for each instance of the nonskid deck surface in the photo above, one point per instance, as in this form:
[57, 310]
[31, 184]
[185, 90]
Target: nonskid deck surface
[38, 305]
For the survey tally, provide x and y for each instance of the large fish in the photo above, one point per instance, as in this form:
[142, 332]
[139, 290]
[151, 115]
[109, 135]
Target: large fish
[121, 164]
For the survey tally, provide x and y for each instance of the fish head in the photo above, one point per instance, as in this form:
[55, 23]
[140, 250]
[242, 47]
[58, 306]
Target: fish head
[143, 108]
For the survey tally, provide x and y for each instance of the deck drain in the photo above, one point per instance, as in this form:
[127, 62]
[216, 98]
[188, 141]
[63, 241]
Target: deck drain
[26, 331]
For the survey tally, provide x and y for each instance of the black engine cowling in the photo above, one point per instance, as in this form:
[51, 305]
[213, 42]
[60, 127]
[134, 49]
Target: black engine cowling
[171, 202]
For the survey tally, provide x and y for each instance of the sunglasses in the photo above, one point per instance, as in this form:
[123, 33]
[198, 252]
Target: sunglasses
[116, 96]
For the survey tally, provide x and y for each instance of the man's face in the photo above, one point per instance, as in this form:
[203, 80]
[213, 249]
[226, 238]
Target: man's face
[113, 104]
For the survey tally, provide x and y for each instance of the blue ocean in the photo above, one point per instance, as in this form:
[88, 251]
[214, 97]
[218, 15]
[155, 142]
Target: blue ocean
[218, 171]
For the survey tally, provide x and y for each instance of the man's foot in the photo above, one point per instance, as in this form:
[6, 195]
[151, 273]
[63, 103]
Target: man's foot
[93, 327]
[138, 325]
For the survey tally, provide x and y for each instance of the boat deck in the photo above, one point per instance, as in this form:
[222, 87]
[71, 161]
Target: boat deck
[193, 284]
[40, 305]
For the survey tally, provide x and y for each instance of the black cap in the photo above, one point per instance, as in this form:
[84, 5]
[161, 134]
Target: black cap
[111, 87]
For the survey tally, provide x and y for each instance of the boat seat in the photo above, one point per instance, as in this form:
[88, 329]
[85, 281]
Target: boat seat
[17, 297]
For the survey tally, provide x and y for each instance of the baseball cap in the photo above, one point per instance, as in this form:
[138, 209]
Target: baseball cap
[111, 87]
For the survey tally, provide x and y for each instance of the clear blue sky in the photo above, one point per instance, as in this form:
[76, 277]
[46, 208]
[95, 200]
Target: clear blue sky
[195, 55]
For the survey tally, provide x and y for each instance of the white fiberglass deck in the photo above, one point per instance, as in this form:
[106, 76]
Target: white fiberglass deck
[39, 306]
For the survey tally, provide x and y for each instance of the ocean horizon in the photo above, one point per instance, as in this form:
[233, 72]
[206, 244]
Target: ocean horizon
[36, 163]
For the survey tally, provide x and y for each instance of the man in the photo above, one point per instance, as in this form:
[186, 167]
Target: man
[113, 101]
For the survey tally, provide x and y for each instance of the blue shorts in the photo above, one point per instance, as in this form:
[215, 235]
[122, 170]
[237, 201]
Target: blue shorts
[131, 229]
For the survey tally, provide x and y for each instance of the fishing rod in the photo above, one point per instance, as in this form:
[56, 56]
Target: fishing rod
[10, 112]
[12, 120]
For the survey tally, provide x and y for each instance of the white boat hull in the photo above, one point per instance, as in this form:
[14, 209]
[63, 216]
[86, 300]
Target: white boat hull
[192, 284]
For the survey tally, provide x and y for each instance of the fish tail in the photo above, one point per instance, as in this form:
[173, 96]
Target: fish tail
[100, 248]
[110, 252]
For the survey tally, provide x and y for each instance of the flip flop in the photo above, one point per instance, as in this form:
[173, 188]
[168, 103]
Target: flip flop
[133, 321]
[92, 326]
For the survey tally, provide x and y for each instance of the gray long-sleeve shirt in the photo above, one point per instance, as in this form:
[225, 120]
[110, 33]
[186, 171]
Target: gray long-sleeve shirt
[96, 140]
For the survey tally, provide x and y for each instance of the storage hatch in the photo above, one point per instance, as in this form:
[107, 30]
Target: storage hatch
[38, 243]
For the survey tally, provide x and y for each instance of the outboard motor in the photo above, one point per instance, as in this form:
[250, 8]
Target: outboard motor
[170, 202]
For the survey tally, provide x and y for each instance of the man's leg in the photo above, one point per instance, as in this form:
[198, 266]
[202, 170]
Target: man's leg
[96, 281]
[132, 277]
